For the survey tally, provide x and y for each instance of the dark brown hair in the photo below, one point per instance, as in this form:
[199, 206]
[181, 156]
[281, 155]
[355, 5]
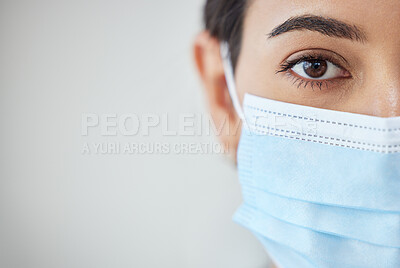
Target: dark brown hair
[224, 20]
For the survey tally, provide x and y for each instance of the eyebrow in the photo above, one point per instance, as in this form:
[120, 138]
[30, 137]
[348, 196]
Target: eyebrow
[324, 25]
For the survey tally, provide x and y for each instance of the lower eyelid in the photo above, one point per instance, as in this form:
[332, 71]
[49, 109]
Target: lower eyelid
[309, 83]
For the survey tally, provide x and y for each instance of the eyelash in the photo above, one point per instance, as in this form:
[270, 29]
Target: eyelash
[289, 64]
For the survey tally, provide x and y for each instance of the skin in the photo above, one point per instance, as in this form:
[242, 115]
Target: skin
[370, 70]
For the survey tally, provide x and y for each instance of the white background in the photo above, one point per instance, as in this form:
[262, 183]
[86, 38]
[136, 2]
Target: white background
[59, 208]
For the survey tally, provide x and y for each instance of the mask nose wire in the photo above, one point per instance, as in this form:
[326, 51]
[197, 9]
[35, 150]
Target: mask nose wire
[230, 81]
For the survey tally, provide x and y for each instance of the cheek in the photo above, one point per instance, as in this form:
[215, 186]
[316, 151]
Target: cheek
[255, 77]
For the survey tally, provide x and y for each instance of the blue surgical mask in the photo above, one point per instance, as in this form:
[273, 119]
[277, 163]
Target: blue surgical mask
[321, 188]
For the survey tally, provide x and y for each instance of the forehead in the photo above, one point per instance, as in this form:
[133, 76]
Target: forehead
[379, 19]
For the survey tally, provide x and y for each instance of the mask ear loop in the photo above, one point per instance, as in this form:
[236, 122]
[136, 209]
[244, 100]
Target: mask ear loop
[230, 81]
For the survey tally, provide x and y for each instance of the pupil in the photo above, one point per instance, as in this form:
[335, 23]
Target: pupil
[315, 68]
[316, 65]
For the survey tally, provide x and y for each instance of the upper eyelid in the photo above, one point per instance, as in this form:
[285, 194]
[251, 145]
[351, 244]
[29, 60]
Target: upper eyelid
[309, 57]
[317, 51]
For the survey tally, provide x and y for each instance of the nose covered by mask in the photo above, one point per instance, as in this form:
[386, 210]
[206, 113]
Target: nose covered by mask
[321, 188]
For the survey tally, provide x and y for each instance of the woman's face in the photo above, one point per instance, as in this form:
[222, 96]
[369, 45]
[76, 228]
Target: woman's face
[332, 54]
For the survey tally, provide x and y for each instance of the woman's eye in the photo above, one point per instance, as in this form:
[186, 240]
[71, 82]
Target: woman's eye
[318, 70]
